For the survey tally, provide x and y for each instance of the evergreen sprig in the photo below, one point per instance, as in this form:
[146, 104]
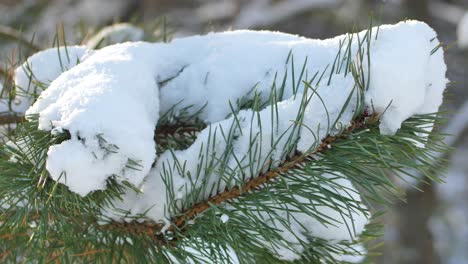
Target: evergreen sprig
[42, 221]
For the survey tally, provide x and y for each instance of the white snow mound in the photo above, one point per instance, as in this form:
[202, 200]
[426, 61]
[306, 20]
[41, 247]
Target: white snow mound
[110, 102]
[40, 70]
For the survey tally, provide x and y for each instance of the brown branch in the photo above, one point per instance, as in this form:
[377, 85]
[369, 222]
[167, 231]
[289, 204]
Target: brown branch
[13, 235]
[8, 74]
[4, 72]
[260, 180]
[90, 252]
[161, 131]
[153, 229]
[11, 119]
[149, 228]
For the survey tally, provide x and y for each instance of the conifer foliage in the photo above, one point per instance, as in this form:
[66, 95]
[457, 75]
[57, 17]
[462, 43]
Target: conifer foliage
[235, 147]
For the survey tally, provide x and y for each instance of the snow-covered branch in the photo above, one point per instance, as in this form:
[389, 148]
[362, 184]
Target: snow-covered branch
[288, 129]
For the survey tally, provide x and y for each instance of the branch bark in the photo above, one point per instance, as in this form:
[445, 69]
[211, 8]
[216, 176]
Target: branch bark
[154, 229]
[11, 119]
[4, 72]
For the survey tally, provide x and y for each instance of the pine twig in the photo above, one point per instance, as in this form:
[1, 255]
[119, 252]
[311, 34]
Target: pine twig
[4, 72]
[152, 229]
[11, 119]
[260, 180]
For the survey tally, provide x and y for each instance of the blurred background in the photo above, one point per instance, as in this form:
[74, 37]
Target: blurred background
[431, 226]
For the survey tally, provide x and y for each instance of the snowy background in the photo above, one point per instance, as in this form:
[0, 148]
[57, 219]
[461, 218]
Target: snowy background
[432, 227]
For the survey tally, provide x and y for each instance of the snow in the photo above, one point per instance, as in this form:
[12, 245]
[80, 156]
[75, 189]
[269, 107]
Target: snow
[153, 197]
[338, 230]
[195, 249]
[404, 76]
[301, 226]
[41, 68]
[462, 32]
[110, 103]
[246, 127]
[224, 218]
[355, 258]
[115, 33]
[103, 102]
[422, 78]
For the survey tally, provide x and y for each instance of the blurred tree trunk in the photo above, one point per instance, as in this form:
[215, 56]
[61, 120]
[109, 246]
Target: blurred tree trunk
[415, 237]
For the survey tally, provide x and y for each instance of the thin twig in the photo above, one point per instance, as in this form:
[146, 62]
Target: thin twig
[90, 252]
[11, 119]
[4, 72]
[160, 132]
[152, 229]
[8, 76]
[260, 180]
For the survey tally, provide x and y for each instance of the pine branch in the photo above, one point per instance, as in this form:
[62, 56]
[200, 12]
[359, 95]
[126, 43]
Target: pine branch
[4, 72]
[147, 234]
[261, 206]
[152, 229]
[260, 180]
[161, 132]
[11, 119]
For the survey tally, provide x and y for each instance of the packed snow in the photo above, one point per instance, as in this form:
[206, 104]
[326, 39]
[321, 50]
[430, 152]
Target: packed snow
[270, 138]
[38, 71]
[103, 102]
[224, 218]
[301, 225]
[111, 101]
[423, 76]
